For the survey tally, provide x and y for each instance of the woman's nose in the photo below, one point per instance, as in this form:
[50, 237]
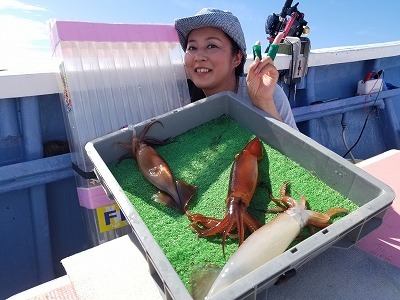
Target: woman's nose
[200, 56]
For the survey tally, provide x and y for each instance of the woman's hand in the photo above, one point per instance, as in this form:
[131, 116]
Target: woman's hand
[261, 82]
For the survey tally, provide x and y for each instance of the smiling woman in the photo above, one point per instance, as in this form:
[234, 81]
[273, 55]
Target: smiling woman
[215, 53]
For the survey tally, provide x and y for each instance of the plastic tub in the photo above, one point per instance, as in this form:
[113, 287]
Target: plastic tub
[371, 195]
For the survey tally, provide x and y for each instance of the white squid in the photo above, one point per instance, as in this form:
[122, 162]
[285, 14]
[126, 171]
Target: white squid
[271, 239]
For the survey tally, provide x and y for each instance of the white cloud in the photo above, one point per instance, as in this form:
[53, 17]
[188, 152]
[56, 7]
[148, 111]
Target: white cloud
[20, 31]
[14, 4]
[24, 41]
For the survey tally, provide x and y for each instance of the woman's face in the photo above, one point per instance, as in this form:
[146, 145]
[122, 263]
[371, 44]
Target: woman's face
[209, 60]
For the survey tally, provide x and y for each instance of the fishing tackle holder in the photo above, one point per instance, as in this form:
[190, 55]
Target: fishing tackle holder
[291, 22]
[299, 50]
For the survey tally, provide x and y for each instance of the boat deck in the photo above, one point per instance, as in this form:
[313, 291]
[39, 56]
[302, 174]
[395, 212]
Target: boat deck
[43, 221]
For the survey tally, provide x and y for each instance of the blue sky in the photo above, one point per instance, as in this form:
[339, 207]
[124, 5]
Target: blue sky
[333, 23]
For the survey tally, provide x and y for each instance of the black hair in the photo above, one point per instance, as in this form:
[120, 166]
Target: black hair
[235, 50]
[195, 92]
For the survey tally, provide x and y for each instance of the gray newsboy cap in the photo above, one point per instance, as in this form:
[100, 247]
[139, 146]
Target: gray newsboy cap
[213, 17]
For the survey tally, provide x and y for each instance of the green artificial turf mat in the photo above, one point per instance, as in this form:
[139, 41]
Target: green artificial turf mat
[203, 156]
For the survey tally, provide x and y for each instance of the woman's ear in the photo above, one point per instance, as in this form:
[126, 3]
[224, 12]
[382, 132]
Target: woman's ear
[237, 59]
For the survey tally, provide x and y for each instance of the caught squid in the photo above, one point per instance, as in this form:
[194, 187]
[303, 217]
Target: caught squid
[272, 239]
[242, 184]
[174, 193]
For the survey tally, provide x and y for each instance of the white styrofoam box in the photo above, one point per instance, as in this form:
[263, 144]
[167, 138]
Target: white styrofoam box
[369, 87]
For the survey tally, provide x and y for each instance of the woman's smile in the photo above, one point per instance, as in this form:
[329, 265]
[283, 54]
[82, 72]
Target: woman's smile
[202, 70]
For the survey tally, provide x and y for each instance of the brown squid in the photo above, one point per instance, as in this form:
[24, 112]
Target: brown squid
[174, 193]
[242, 184]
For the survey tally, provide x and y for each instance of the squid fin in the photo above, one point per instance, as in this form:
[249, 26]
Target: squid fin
[185, 192]
[165, 199]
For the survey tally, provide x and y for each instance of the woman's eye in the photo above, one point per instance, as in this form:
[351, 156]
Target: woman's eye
[190, 48]
[212, 46]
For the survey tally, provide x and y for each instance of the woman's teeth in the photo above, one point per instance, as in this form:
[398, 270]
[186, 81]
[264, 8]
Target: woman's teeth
[202, 70]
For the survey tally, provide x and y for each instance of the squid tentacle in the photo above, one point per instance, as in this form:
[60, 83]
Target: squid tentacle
[226, 232]
[202, 220]
[251, 223]
[213, 230]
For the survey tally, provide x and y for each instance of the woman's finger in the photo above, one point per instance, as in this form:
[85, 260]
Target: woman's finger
[266, 61]
[269, 70]
[254, 65]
